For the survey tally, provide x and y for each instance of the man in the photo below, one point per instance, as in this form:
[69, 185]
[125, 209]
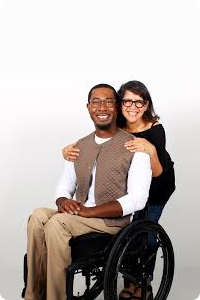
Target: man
[110, 184]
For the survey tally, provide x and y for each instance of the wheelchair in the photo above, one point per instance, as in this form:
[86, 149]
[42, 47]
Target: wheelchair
[109, 261]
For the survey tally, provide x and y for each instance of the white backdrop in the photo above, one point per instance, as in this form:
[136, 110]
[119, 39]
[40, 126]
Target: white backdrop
[51, 53]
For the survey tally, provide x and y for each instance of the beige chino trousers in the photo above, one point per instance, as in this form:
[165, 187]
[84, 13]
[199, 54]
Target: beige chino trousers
[48, 251]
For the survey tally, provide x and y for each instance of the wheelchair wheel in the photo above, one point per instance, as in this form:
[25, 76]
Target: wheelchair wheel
[131, 260]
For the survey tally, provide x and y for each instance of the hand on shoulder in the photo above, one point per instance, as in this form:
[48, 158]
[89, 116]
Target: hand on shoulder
[71, 152]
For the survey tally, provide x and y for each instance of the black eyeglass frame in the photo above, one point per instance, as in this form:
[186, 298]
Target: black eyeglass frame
[136, 102]
[98, 102]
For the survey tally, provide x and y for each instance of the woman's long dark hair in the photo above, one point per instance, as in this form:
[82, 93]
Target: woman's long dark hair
[140, 89]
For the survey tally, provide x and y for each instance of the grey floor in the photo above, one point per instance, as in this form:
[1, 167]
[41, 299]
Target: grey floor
[186, 285]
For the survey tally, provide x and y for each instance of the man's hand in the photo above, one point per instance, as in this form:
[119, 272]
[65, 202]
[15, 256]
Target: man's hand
[85, 211]
[111, 209]
[70, 206]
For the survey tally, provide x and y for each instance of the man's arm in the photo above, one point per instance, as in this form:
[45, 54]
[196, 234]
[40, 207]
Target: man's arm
[65, 190]
[138, 184]
[111, 209]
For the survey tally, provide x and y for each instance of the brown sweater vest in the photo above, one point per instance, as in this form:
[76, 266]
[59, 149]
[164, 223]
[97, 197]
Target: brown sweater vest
[113, 162]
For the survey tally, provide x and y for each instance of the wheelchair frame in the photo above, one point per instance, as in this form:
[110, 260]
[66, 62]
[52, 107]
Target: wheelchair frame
[109, 257]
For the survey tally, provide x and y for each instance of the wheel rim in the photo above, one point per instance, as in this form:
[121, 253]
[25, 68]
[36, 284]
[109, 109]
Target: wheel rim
[115, 269]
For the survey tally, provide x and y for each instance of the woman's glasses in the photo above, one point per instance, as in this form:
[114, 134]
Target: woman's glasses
[137, 103]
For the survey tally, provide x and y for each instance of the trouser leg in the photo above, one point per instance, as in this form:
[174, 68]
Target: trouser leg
[58, 231]
[154, 214]
[36, 250]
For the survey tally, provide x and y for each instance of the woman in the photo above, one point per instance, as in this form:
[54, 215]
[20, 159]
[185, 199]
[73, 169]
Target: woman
[136, 115]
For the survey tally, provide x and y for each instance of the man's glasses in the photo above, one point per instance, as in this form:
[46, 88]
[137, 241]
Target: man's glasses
[96, 102]
[137, 103]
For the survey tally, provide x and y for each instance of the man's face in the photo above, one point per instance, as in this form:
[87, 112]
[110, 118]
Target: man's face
[102, 108]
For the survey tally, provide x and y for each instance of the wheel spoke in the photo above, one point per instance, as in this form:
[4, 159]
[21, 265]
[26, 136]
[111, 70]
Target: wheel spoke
[131, 260]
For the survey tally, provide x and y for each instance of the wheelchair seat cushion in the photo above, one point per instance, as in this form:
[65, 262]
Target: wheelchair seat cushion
[86, 245]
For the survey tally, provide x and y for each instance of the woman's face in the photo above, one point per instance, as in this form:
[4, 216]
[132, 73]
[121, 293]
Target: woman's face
[133, 113]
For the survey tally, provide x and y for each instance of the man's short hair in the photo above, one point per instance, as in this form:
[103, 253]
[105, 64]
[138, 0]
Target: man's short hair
[103, 85]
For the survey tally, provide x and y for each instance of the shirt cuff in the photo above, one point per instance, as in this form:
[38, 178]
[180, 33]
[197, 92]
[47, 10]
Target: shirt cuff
[124, 202]
[65, 195]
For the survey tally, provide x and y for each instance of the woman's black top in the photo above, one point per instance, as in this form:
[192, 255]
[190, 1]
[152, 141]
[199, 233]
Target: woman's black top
[164, 185]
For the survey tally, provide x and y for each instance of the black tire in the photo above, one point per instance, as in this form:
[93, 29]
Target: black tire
[129, 237]
[25, 276]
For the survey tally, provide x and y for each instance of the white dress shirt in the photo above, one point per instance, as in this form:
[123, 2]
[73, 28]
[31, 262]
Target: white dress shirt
[138, 183]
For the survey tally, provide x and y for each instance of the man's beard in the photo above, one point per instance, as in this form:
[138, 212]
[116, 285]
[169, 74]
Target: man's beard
[104, 127]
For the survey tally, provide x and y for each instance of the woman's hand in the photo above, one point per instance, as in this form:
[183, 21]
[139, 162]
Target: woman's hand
[70, 152]
[140, 145]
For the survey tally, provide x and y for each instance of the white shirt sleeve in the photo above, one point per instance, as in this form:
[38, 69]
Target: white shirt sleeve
[138, 184]
[67, 184]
